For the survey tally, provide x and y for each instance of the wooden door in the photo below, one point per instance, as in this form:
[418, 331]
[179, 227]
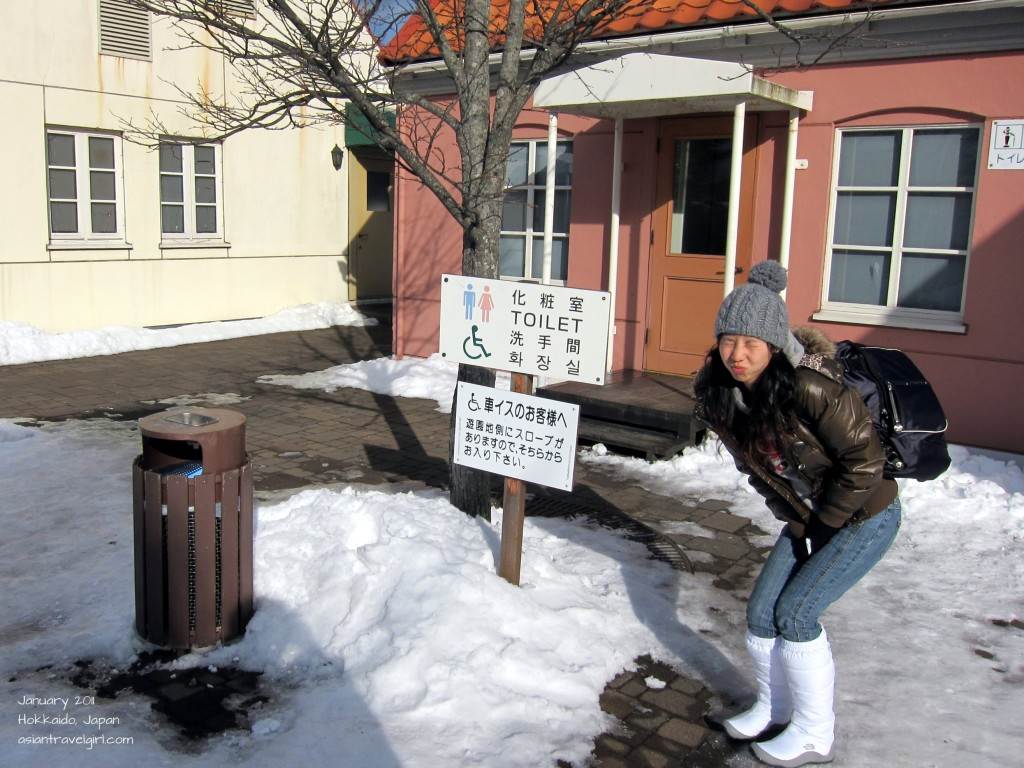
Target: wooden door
[688, 249]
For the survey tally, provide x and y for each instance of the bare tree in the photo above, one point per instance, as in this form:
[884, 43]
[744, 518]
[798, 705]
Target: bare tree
[300, 62]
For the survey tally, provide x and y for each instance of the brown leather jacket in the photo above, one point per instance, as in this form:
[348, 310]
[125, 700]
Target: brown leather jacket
[831, 444]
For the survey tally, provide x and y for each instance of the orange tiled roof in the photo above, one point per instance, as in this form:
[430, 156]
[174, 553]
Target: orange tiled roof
[414, 41]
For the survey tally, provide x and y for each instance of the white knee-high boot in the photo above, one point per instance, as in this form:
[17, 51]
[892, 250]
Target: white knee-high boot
[772, 706]
[810, 734]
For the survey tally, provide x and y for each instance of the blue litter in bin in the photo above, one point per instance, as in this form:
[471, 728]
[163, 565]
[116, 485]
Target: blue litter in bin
[187, 468]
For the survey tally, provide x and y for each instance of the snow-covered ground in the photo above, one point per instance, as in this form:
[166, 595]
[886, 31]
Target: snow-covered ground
[386, 639]
[431, 378]
[21, 343]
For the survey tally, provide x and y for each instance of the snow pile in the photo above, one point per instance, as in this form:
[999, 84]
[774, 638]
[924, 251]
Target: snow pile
[21, 343]
[384, 632]
[387, 639]
[432, 378]
[10, 432]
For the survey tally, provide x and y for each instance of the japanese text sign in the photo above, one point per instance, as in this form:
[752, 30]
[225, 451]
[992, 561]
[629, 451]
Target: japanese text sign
[522, 436]
[1006, 147]
[545, 330]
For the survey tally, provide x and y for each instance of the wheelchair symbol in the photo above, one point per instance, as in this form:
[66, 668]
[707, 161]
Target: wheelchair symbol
[477, 344]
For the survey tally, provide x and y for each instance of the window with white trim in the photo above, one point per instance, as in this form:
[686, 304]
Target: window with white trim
[85, 186]
[189, 184]
[521, 248]
[902, 206]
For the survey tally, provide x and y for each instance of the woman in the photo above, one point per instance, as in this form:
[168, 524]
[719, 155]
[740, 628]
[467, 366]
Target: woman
[779, 405]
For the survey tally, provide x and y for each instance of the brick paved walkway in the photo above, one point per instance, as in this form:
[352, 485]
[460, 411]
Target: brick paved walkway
[298, 438]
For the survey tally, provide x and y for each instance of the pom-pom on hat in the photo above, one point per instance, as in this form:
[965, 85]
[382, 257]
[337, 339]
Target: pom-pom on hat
[756, 309]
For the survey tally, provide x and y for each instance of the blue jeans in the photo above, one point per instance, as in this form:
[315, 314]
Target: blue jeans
[790, 595]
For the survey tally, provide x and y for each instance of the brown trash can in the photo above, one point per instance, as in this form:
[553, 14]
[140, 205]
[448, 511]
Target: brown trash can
[193, 534]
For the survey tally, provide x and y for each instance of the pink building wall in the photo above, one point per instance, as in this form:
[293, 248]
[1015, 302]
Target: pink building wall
[977, 374]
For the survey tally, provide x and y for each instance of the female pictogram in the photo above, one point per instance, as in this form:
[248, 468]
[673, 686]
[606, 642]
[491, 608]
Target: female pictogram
[486, 304]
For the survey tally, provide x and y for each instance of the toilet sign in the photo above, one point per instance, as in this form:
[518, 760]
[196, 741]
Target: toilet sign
[1006, 146]
[544, 330]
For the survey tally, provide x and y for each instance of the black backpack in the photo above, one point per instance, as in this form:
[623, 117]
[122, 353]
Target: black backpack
[905, 411]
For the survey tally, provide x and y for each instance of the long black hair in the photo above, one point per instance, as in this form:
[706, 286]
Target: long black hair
[770, 401]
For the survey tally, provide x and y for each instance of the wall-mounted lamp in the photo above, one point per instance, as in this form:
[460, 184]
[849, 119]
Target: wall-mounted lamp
[337, 155]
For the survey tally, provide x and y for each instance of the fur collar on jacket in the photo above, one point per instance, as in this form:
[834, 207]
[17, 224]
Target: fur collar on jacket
[819, 353]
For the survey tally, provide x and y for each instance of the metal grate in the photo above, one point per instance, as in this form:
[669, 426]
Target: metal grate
[660, 547]
[124, 30]
[246, 9]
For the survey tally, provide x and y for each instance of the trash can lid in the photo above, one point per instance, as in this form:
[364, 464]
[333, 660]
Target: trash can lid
[188, 423]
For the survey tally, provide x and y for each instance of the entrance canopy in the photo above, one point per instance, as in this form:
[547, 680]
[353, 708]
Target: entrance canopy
[638, 85]
[652, 85]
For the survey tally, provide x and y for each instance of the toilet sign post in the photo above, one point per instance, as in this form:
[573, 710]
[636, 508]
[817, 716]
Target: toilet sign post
[527, 329]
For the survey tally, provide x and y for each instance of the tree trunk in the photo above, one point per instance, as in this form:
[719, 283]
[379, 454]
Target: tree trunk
[470, 489]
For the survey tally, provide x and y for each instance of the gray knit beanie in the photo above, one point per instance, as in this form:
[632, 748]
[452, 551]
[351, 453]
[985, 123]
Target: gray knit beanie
[756, 309]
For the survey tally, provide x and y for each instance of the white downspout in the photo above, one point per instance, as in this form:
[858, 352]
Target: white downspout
[549, 198]
[613, 238]
[787, 192]
[735, 179]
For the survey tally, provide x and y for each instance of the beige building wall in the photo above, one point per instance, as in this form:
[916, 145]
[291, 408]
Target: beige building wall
[283, 206]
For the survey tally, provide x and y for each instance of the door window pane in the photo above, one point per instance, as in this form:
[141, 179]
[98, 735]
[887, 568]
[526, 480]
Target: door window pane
[859, 277]
[869, 159]
[104, 217]
[928, 281]
[172, 218]
[559, 262]
[700, 208]
[378, 191]
[62, 184]
[561, 218]
[518, 163]
[63, 217]
[865, 218]
[938, 221]
[101, 185]
[513, 211]
[512, 256]
[60, 150]
[944, 158]
[101, 152]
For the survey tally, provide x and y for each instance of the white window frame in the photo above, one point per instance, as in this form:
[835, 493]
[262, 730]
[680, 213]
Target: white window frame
[890, 314]
[188, 173]
[530, 233]
[85, 237]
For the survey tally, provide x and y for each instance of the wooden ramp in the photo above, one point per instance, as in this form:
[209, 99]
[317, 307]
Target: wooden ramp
[649, 413]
